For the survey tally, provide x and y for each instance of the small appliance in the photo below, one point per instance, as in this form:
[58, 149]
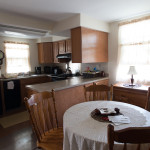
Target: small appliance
[56, 70]
[48, 70]
[37, 70]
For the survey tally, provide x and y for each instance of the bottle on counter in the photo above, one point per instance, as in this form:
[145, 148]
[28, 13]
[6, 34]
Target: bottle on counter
[102, 74]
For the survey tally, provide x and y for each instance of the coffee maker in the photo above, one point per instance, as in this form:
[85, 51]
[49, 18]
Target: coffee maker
[56, 70]
[37, 70]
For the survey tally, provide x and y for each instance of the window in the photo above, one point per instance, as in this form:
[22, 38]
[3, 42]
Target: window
[134, 50]
[17, 57]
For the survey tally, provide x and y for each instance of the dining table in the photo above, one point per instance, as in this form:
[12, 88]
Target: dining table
[83, 132]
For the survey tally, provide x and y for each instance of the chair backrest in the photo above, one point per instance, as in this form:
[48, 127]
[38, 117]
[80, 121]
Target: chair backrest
[103, 92]
[133, 135]
[147, 107]
[98, 92]
[42, 111]
[89, 92]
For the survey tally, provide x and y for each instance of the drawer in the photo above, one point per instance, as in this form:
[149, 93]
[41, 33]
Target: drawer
[104, 82]
[135, 97]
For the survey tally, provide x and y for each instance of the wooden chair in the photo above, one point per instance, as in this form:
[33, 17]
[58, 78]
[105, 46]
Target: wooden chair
[132, 135]
[43, 116]
[89, 92]
[147, 107]
[103, 92]
[98, 92]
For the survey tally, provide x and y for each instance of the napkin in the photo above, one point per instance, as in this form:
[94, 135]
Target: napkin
[120, 119]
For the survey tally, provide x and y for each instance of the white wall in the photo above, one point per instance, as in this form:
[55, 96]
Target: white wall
[66, 24]
[112, 52]
[33, 51]
[80, 20]
[22, 21]
[89, 22]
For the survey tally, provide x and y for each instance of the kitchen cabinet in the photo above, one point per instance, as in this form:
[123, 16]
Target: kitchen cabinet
[55, 51]
[48, 51]
[132, 95]
[29, 81]
[68, 97]
[68, 46]
[62, 47]
[45, 52]
[89, 46]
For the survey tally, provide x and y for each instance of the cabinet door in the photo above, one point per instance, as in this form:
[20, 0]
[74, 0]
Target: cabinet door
[68, 46]
[48, 53]
[121, 96]
[89, 46]
[40, 53]
[131, 96]
[61, 45]
[94, 46]
[55, 51]
[45, 52]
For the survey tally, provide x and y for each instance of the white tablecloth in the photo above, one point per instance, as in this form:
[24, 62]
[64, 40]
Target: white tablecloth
[82, 132]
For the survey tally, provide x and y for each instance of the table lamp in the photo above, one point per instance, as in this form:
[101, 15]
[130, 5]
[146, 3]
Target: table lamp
[132, 72]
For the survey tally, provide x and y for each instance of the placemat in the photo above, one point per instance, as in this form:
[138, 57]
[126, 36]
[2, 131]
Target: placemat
[102, 118]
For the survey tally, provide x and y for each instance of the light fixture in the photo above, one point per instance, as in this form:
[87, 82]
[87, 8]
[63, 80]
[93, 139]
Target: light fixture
[14, 33]
[132, 72]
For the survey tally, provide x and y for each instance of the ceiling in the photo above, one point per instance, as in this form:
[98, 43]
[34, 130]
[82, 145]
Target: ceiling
[56, 10]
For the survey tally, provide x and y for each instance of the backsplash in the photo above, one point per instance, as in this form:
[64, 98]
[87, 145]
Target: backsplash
[81, 67]
[99, 66]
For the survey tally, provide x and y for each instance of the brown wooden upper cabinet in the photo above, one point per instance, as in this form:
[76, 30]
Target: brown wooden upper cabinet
[68, 46]
[89, 46]
[55, 51]
[62, 47]
[45, 52]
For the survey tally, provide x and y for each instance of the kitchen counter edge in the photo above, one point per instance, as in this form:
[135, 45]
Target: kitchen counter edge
[64, 84]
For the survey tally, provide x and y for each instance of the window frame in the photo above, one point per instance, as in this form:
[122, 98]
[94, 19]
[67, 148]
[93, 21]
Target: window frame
[29, 65]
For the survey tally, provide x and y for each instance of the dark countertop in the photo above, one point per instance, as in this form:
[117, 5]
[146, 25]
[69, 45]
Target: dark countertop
[64, 84]
[24, 77]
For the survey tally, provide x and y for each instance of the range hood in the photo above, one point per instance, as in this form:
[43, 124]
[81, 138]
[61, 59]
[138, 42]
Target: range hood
[66, 55]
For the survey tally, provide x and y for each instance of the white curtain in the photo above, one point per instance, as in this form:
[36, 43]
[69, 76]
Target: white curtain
[134, 50]
[17, 58]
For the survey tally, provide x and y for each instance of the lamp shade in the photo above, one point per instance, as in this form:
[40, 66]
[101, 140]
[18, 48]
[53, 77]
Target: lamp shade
[132, 70]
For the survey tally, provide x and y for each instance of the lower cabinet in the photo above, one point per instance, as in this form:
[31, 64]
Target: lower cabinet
[135, 96]
[29, 81]
[67, 98]
[12, 92]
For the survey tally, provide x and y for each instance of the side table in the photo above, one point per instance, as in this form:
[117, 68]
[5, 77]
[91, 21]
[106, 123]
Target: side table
[133, 95]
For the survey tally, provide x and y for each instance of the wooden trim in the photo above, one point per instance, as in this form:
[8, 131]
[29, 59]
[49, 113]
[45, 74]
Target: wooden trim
[134, 21]
[2, 97]
[76, 41]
